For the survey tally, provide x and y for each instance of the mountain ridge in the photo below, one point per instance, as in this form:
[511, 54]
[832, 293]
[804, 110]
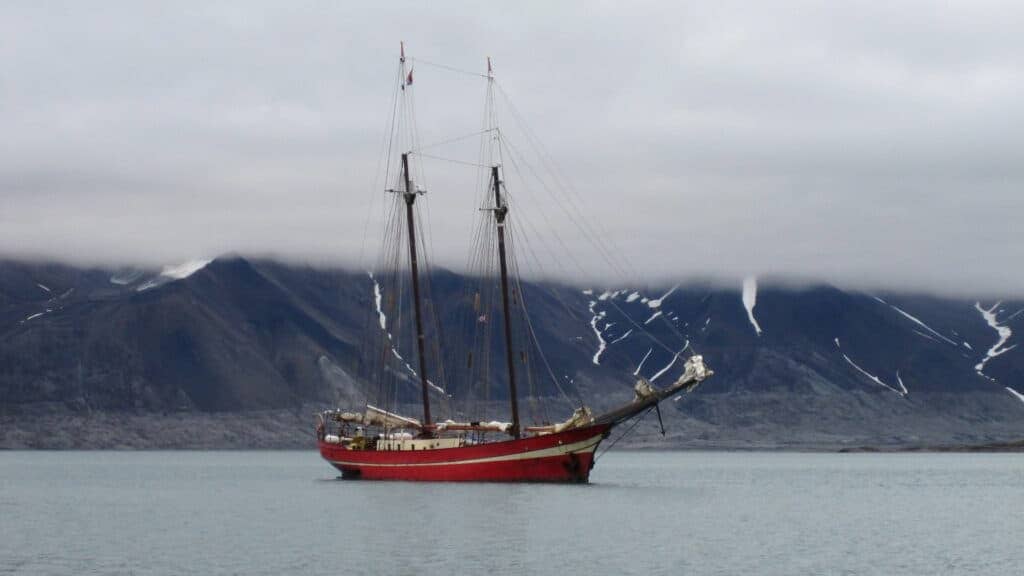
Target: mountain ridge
[815, 366]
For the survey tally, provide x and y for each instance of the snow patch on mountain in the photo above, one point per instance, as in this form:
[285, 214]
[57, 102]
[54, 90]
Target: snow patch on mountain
[653, 317]
[670, 364]
[382, 319]
[750, 300]
[920, 323]
[1003, 331]
[601, 344]
[377, 298]
[126, 277]
[925, 336]
[184, 270]
[43, 287]
[637, 371]
[172, 273]
[655, 304]
[633, 296]
[870, 376]
[623, 337]
[1016, 394]
[900, 382]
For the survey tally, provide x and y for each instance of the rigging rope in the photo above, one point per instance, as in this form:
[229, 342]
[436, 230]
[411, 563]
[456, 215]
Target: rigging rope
[571, 207]
[639, 419]
[450, 140]
[652, 337]
[593, 233]
[493, 143]
[447, 67]
[452, 160]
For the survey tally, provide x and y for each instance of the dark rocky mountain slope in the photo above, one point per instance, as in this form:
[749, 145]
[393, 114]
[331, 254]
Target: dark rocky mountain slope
[239, 352]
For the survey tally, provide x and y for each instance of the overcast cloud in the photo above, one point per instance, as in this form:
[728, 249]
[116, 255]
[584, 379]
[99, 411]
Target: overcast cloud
[876, 143]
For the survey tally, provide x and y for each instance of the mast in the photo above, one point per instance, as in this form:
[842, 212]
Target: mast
[500, 211]
[410, 198]
[409, 195]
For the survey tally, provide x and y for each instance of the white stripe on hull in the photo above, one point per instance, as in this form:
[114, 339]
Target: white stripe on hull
[581, 447]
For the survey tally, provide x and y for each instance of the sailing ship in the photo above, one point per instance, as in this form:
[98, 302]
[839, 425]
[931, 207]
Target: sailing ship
[375, 442]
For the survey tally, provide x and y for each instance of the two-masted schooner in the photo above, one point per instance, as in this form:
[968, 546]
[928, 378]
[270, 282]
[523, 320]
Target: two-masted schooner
[376, 443]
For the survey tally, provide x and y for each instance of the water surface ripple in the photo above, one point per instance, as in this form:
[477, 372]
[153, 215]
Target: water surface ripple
[164, 513]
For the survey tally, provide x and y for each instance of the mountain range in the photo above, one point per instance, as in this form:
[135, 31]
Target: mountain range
[238, 352]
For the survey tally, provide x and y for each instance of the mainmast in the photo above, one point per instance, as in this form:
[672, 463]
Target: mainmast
[410, 198]
[500, 212]
[409, 195]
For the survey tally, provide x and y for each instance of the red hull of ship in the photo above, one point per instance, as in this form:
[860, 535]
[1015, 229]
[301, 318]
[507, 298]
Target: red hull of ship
[562, 457]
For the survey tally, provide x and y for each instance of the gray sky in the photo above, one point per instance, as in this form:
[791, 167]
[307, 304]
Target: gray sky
[878, 144]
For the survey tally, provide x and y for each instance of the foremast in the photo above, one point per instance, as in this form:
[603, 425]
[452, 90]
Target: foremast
[409, 194]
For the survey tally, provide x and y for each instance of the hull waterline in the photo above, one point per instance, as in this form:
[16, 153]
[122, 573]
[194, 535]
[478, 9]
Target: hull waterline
[560, 457]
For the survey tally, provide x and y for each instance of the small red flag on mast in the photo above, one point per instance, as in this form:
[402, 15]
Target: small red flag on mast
[408, 79]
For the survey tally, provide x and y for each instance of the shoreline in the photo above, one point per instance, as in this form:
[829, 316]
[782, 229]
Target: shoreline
[292, 429]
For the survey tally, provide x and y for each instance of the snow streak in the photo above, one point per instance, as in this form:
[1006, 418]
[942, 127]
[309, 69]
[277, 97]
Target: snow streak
[637, 371]
[184, 270]
[674, 358]
[377, 297]
[601, 344]
[170, 273]
[750, 300]
[653, 317]
[623, 337]
[917, 321]
[900, 382]
[1016, 394]
[655, 304]
[921, 324]
[383, 320]
[870, 376]
[1004, 334]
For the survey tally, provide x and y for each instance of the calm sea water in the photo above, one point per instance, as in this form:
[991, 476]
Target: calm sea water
[644, 513]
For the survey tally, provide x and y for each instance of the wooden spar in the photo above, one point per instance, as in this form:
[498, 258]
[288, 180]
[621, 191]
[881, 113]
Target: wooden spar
[500, 211]
[695, 373]
[410, 198]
